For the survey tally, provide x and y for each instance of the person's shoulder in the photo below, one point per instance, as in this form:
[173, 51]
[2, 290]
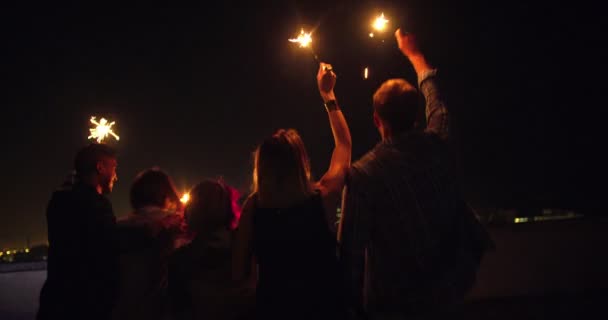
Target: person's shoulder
[61, 194]
[369, 157]
[60, 204]
[364, 167]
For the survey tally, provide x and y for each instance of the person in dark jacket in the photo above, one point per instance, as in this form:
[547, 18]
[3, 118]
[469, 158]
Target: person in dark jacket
[200, 273]
[146, 238]
[82, 262]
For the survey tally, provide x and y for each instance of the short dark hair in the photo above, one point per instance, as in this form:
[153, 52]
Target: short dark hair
[87, 158]
[396, 103]
[152, 187]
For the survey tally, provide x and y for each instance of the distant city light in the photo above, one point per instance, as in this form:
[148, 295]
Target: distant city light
[521, 220]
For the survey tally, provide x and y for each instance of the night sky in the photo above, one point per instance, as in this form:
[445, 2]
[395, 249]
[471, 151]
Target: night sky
[194, 89]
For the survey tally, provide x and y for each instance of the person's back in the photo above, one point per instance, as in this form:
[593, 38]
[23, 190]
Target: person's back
[145, 243]
[82, 267]
[297, 264]
[77, 280]
[201, 284]
[200, 273]
[409, 242]
[146, 238]
[286, 231]
[417, 248]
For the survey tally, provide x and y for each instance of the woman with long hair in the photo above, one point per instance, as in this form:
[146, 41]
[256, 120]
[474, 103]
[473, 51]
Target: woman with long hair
[285, 242]
[146, 238]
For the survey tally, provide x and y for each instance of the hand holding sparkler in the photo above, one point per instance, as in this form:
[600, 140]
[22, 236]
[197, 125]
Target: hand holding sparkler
[407, 43]
[326, 80]
[409, 47]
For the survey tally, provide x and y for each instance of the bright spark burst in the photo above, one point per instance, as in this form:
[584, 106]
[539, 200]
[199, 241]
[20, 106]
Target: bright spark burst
[304, 39]
[185, 198]
[380, 23]
[102, 130]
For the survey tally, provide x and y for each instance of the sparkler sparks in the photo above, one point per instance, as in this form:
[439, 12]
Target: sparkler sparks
[102, 130]
[185, 198]
[304, 39]
[380, 23]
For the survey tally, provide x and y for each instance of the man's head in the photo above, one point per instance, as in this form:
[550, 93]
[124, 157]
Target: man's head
[96, 164]
[395, 107]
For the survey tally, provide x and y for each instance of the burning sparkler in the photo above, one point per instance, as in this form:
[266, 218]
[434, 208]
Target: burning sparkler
[102, 130]
[379, 24]
[304, 39]
[185, 198]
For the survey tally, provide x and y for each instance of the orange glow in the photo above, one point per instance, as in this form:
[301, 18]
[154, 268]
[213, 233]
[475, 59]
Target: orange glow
[185, 198]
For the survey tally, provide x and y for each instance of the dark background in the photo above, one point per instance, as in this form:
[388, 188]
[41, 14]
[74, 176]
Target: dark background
[194, 89]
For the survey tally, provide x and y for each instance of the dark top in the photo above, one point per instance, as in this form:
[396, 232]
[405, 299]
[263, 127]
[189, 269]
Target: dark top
[200, 281]
[82, 268]
[297, 265]
[410, 242]
[146, 239]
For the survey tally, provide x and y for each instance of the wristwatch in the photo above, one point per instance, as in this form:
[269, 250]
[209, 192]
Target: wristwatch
[331, 105]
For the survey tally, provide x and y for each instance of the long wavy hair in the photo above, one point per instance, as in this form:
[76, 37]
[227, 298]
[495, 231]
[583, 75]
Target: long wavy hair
[281, 165]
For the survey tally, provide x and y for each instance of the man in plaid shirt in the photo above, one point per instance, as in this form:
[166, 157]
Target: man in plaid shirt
[407, 236]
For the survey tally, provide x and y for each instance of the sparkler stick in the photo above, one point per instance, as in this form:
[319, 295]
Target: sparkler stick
[304, 39]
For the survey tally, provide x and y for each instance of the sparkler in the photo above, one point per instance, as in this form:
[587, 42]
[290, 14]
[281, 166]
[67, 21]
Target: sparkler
[185, 198]
[365, 72]
[102, 130]
[304, 39]
[379, 24]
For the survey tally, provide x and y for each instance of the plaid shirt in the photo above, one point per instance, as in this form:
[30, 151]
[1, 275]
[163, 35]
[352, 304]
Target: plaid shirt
[398, 219]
